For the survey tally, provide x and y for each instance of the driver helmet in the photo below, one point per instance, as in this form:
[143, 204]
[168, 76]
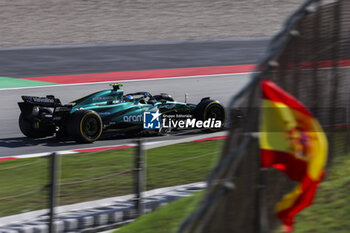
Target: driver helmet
[128, 98]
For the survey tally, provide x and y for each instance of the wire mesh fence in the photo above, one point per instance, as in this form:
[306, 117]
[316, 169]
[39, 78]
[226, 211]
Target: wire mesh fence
[27, 184]
[178, 168]
[19, 192]
[309, 58]
[95, 175]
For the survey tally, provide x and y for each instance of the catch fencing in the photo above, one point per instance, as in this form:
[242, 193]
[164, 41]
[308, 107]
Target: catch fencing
[309, 58]
[46, 183]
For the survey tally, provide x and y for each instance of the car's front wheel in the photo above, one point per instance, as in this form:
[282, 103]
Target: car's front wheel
[85, 126]
[211, 109]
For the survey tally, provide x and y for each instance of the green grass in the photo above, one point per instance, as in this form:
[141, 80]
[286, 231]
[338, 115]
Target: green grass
[166, 166]
[166, 219]
[6, 82]
[329, 213]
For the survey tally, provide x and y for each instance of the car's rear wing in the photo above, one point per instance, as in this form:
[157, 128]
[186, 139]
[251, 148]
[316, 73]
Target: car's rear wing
[29, 102]
[48, 101]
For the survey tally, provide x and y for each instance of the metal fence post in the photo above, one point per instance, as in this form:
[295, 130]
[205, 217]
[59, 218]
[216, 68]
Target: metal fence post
[54, 165]
[139, 177]
[261, 218]
[261, 212]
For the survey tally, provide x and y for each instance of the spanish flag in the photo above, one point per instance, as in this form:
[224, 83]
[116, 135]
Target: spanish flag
[291, 140]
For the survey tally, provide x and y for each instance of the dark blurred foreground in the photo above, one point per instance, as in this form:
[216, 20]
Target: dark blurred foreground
[309, 58]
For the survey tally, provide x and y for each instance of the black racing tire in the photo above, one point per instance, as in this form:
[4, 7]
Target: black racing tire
[85, 126]
[28, 128]
[210, 109]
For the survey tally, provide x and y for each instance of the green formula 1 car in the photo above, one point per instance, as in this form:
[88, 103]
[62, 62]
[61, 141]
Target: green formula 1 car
[112, 112]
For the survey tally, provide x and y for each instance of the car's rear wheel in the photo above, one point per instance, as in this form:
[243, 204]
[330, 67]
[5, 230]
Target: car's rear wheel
[33, 128]
[85, 126]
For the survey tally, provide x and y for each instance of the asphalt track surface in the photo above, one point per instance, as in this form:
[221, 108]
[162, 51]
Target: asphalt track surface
[33, 63]
[64, 60]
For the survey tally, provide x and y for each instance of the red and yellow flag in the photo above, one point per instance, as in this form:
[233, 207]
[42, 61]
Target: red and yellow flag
[292, 141]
